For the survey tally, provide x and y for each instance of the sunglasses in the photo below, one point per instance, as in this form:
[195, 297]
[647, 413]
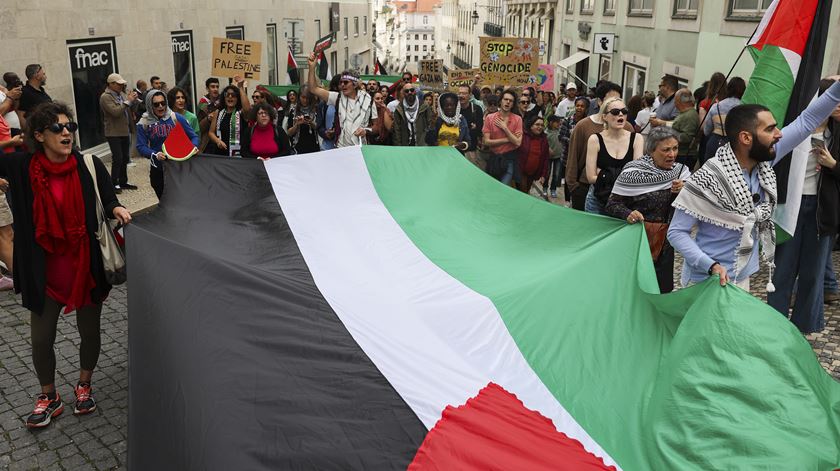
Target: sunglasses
[524, 102]
[256, 97]
[57, 128]
[616, 111]
[409, 90]
[159, 104]
[230, 94]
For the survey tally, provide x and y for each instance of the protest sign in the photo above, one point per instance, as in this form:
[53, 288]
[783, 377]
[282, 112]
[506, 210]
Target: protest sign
[431, 74]
[509, 61]
[233, 57]
[458, 77]
[545, 77]
[324, 43]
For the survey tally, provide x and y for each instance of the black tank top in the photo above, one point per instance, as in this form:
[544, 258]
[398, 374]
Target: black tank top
[605, 160]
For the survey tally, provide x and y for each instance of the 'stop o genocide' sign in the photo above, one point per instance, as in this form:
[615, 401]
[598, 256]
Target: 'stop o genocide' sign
[233, 57]
[509, 61]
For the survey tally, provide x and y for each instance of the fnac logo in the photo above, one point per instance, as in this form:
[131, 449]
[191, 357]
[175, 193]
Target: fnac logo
[90, 59]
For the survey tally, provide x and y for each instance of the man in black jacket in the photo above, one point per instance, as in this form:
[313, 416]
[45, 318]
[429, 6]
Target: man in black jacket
[475, 120]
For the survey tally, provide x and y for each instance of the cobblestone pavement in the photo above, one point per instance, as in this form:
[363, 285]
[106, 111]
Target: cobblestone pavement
[100, 440]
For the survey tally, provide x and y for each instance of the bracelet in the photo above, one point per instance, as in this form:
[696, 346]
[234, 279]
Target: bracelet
[712, 266]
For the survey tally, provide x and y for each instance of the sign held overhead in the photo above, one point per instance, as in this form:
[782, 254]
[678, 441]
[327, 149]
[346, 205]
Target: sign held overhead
[232, 57]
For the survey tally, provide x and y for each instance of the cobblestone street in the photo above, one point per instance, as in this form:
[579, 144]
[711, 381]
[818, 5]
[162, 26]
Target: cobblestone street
[100, 440]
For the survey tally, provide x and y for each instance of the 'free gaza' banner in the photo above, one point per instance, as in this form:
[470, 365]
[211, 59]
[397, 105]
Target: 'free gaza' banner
[509, 61]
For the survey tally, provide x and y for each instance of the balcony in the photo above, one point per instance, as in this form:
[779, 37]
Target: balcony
[461, 63]
[492, 29]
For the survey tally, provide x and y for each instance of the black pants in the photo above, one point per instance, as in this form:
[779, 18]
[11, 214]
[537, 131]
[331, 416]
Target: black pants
[579, 196]
[156, 179]
[119, 158]
[44, 327]
[664, 267]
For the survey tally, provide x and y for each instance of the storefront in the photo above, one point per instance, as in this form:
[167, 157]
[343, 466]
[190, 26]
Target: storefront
[91, 61]
[184, 61]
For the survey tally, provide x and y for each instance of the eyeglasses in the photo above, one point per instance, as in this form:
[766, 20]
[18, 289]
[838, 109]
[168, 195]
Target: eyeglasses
[57, 128]
[230, 94]
[409, 90]
[159, 104]
[616, 111]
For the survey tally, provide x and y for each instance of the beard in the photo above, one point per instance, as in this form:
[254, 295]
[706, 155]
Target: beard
[760, 152]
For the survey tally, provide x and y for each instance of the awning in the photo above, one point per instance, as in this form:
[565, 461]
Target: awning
[573, 59]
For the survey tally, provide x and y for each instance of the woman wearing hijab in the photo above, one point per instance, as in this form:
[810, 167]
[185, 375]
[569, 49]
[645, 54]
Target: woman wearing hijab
[533, 154]
[450, 128]
[301, 123]
[58, 261]
[152, 129]
[228, 122]
[644, 191]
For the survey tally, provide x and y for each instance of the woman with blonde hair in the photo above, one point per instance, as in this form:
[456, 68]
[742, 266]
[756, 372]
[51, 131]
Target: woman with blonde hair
[607, 152]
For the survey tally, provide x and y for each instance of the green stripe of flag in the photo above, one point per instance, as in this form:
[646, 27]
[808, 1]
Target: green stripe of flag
[703, 378]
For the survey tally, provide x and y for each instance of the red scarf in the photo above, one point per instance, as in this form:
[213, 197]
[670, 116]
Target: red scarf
[60, 228]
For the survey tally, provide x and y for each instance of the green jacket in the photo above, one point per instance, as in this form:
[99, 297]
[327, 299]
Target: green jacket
[425, 120]
[687, 123]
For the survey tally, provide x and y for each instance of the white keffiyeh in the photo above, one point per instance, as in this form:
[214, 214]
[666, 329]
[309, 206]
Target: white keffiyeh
[718, 194]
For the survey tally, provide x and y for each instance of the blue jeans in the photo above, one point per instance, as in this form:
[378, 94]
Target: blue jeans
[802, 257]
[592, 204]
[512, 168]
[830, 281]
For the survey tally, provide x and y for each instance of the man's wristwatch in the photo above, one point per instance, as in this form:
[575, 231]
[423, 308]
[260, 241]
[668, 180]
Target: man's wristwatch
[711, 267]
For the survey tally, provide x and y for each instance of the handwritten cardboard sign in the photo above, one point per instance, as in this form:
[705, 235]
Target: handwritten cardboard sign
[233, 57]
[431, 74]
[458, 77]
[509, 61]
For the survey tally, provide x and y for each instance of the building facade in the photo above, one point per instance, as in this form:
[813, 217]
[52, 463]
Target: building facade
[533, 19]
[79, 43]
[646, 39]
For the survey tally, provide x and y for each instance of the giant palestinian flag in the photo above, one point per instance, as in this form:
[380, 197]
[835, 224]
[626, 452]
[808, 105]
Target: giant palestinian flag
[788, 48]
[380, 308]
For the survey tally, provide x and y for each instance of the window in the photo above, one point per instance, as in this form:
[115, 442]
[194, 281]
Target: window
[604, 68]
[318, 28]
[416, 48]
[641, 7]
[416, 58]
[425, 37]
[345, 29]
[364, 25]
[346, 55]
[748, 8]
[685, 8]
[587, 6]
[609, 7]
[634, 80]
[355, 26]
[416, 37]
[570, 6]
[235, 32]
[425, 48]
[271, 52]
[408, 47]
[425, 20]
[407, 59]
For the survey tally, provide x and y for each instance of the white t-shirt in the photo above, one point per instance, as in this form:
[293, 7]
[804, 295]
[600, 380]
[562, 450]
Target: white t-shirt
[642, 120]
[392, 105]
[565, 107]
[12, 119]
[352, 115]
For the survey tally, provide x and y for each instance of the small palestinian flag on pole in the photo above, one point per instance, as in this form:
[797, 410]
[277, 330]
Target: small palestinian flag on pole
[379, 69]
[292, 69]
[788, 48]
[323, 67]
[324, 43]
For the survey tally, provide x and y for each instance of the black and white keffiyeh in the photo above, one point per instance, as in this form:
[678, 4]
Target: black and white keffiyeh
[718, 194]
[411, 116]
[454, 120]
[643, 176]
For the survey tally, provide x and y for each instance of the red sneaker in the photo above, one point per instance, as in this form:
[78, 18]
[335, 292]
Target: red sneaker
[84, 399]
[45, 410]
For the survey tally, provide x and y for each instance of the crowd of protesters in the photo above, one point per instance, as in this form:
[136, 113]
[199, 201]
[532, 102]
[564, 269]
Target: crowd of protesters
[694, 167]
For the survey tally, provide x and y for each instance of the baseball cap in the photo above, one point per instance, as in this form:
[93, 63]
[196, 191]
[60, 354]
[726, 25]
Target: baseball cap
[116, 78]
[571, 85]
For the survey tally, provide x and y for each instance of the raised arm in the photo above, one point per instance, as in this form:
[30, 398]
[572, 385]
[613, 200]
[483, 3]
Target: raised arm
[314, 87]
[807, 122]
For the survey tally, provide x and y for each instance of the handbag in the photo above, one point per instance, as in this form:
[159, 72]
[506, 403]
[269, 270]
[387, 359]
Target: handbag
[113, 259]
[656, 233]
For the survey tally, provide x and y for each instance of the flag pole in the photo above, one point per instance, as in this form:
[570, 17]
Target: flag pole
[725, 80]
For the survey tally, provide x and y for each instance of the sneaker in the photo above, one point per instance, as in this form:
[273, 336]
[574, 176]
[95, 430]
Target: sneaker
[553, 194]
[6, 283]
[117, 189]
[45, 410]
[84, 399]
[128, 186]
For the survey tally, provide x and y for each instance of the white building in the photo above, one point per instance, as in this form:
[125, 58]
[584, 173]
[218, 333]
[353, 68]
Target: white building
[79, 43]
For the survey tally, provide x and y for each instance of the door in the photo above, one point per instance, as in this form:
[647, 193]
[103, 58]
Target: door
[91, 61]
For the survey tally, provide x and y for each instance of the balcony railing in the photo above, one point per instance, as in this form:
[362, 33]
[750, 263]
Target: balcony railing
[492, 29]
[461, 63]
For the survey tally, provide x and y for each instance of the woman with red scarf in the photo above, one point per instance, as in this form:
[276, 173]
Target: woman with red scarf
[533, 154]
[58, 259]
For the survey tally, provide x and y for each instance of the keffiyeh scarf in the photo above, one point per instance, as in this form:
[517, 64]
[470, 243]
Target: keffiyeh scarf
[643, 176]
[233, 139]
[718, 194]
[411, 112]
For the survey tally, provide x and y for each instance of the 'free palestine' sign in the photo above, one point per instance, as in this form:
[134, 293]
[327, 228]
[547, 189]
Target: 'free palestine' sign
[233, 57]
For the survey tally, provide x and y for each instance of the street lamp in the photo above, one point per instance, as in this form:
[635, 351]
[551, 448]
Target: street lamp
[448, 48]
[475, 17]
